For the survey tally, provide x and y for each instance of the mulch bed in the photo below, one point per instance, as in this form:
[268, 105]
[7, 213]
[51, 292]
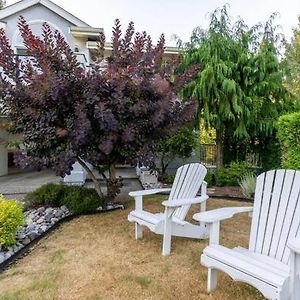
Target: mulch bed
[227, 192]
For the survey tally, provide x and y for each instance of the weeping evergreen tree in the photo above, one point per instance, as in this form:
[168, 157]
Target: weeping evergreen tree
[239, 89]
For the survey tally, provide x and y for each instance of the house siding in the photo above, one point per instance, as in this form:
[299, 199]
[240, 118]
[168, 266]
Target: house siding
[34, 13]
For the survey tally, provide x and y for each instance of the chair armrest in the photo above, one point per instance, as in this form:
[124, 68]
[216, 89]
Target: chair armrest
[294, 245]
[213, 217]
[148, 192]
[220, 214]
[181, 202]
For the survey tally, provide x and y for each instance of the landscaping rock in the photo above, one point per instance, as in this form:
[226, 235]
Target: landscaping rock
[7, 255]
[30, 226]
[21, 236]
[48, 217]
[59, 213]
[40, 220]
[2, 258]
[54, 220]
[26, 241]
[49, 210]
[64, 209]
[33, 235]
[41, 210]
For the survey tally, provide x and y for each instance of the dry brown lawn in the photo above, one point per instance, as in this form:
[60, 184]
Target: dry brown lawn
[97, 257]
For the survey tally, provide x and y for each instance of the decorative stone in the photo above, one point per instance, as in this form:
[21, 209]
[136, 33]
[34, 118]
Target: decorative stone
[49, 210]
[33, 235]
[59, 213]
[40, 220]
[48, 217]
[21, 236]
[44, 228]
[7, 255]
[17, 248]
[26, 241]
[30, 226]
[2, 258]
[41, 210]
[64, 209]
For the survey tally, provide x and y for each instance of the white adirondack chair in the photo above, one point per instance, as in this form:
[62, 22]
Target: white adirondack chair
[188, 180]
[271, 264]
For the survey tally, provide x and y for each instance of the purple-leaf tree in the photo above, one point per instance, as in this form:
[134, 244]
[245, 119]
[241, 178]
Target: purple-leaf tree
[111, 113]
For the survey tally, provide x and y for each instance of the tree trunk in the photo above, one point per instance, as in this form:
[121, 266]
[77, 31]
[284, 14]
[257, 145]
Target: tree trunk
[112, 172]
[93, 177]
[111, 182]
[164, 166]
[219, 142]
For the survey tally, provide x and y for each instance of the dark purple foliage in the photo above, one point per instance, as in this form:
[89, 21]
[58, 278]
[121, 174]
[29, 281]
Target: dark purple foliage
[109, 114]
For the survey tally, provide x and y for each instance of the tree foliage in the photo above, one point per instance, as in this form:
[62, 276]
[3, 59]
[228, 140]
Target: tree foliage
[106, 115]
[240, 88]
[181, 145]
[292, 62]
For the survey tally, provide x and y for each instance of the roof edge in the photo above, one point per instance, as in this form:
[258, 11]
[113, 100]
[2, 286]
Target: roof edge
[24, 4]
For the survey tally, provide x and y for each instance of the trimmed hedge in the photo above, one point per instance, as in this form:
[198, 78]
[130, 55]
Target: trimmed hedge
[80, 200]
[77, 199]
[11, 218]
[49, 194]
[289, 136]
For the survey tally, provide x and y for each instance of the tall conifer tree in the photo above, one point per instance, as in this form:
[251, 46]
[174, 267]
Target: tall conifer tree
[239, 89]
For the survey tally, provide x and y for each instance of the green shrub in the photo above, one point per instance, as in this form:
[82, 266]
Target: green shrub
[76, 198]
[11, 218]
[248, 184]
[49, 194]
[230, 175]
[181, 144]
[81, 200]
[210, 179]
[169, 179]
[289, 137]
[270, 154]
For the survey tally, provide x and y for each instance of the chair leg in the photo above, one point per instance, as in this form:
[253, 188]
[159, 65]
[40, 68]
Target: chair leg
[167, 236]
[212, 280]
[139, 231]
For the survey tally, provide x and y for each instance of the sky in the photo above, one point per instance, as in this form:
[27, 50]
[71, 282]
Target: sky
[178, 17]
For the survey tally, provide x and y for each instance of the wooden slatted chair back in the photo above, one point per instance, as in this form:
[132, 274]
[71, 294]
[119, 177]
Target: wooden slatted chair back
[187, 183]
[276, 213]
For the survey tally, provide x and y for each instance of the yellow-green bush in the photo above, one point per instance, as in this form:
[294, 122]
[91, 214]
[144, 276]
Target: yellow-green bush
[11, 218]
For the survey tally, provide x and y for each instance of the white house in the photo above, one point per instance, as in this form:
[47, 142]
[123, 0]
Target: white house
[77, 33]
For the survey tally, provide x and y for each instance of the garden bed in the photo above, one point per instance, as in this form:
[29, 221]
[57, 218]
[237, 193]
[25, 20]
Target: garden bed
[227, 192]
[38, 223]
[223, 192]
